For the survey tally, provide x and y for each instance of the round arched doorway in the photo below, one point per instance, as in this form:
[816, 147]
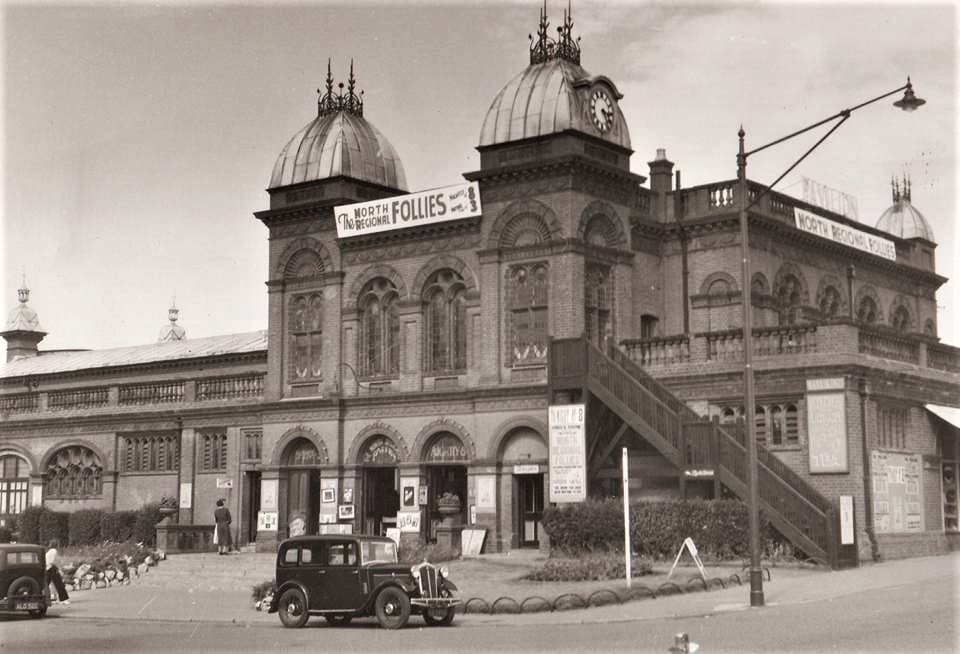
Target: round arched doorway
[301, 460]
[445, 463]
[380, 484]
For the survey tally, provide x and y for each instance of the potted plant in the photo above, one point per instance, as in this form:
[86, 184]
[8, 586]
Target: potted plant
[448, 505]
[167, 506]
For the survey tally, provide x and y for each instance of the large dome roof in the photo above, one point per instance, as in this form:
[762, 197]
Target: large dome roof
[902, 219]
[550, 96]
[339, 141]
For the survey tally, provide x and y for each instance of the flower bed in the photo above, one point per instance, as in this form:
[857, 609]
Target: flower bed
[101, 566]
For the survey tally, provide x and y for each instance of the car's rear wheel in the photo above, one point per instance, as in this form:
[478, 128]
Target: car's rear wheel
[393, 608]
[440, 617]
[293, 608]
[338, 620]
[27, 586]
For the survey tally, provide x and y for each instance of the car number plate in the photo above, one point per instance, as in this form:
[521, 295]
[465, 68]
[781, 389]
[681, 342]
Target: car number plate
[26, 606]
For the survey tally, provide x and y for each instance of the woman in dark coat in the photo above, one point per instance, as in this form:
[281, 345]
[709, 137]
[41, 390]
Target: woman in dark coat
[222, 517]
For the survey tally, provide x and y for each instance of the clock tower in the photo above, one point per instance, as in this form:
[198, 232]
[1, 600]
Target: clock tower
[559, 206]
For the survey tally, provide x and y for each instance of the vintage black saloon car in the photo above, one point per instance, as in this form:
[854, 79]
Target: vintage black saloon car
[22, 586]
[342, 577]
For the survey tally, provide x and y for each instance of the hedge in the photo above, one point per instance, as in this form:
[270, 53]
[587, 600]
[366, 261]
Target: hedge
[118, 526]
[53, 526]
[84, 526]
[145, 525]
[718, 527]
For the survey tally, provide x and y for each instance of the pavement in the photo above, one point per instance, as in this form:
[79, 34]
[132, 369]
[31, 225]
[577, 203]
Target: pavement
[212, 588]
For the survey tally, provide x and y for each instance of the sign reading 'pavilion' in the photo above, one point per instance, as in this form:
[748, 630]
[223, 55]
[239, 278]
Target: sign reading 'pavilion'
[415, 209]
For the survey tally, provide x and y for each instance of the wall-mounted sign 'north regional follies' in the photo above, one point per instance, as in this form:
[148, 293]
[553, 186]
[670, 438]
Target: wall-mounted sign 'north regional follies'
[426, 207]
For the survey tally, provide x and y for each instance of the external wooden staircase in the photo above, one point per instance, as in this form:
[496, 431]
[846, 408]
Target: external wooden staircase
[621, 396]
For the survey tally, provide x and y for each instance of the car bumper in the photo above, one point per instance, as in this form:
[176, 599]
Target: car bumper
[435, 602]
[23, 603]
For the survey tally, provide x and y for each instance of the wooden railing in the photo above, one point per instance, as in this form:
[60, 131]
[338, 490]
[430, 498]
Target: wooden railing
[229, 388]
[84, 398]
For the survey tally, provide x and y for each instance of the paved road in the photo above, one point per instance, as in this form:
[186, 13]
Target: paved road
[916, 615]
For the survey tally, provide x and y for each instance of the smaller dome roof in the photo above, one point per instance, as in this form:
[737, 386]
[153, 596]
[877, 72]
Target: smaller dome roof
[902, 219]
[23, 318]
[339, 141]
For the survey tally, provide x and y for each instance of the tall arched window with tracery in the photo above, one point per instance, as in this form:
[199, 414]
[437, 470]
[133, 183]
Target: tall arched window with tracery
[379, 329]
[445, 333]
[306, 336]
[597, 299]
[867, 310]
[789, 296]
[900, 320]
[527, 313]
[74, 472]
[830, 302]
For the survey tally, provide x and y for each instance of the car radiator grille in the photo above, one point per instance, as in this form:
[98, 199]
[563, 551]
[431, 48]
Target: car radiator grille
[429, 582]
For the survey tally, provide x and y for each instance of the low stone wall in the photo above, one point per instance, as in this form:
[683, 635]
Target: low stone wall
[905, 546]
[175, 538]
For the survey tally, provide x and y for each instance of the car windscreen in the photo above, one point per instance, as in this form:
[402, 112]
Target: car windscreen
[379, 552]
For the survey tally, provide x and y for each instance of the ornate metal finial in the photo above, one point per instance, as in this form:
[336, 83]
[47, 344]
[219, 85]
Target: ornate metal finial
[565, 46]
[894, 191]
[906, 187]
[333, 101]
[173, 313]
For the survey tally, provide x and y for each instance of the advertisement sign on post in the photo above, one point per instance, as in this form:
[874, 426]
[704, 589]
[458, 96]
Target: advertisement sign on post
[414, 209]
[568, 453]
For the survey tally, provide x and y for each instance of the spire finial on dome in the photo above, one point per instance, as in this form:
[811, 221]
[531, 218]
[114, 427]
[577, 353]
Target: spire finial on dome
[906, 187]
[172, 331]
[565, 46]
[332, 102]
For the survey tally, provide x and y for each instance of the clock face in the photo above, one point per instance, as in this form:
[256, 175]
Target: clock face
[601, 110]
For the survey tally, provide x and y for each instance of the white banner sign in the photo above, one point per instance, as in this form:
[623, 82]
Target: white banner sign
[840, 233]
[424, 208]
[568, 453]
[408, 521]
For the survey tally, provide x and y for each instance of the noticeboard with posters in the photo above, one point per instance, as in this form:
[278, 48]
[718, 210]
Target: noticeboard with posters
[897, 500]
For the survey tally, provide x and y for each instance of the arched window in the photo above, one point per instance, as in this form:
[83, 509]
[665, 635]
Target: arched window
[929, 328]
[791, 424]
[867, 310]
[789, 297]
[445, 324]
[776, 425]
[14, 484]
[760, 424]
[719, 287]
[302, 452]
[527, 313]
[306, 336]
[597, 300]
[379, 450]
[900, 320]
[830, 302]
[74, 472]
[379, 329]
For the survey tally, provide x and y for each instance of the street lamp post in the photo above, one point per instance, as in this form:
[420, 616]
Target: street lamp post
[909, 102]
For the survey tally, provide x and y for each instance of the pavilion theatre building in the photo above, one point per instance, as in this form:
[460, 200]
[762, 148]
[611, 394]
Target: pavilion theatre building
[416, 342]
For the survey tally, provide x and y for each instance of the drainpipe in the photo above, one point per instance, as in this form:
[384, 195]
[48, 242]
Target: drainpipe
[684, 243]
[867, 475]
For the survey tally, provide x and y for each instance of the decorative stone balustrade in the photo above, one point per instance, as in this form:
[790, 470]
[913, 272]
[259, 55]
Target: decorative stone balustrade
[229, 388]
[84, 398]
[663, 351]
[155, 393]
[880, 343]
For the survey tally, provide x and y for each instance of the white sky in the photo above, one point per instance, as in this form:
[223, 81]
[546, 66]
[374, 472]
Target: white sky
[139, 139]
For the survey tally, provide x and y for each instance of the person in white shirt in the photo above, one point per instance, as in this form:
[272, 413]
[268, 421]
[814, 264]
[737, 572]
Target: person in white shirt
[53, 573]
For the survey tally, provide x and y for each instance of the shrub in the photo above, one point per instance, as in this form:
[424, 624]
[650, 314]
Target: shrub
[84, 526]
[590, 567]
[6, 534]
[145, 526]
[718, 527]
[53, 526]
[30, 524]
[429, 552]
[118, 526]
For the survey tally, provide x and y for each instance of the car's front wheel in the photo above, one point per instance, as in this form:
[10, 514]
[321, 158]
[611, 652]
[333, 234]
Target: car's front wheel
[440, 617]
[393, 608]
[293, 608]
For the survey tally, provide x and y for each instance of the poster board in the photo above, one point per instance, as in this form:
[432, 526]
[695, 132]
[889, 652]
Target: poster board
[897, 499]
[471, 542]
[568, 453]
[827, 425]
